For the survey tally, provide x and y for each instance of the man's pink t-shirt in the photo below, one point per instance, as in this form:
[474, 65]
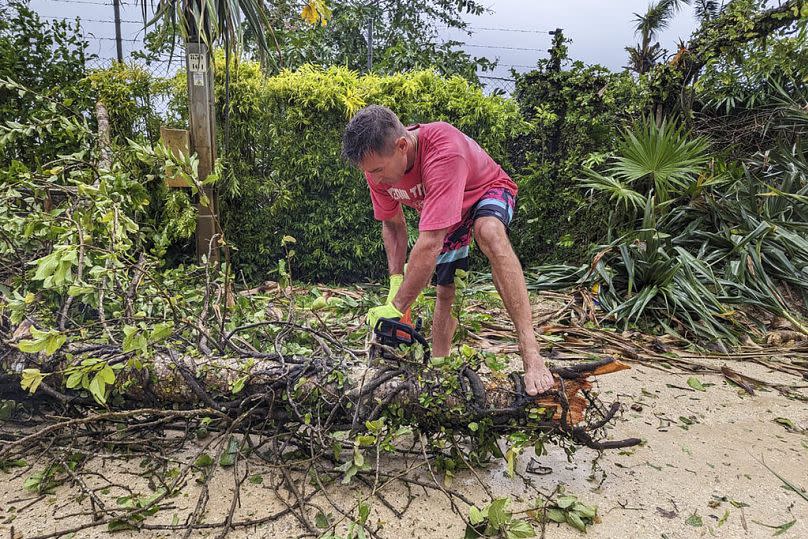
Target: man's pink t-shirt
[450, 174]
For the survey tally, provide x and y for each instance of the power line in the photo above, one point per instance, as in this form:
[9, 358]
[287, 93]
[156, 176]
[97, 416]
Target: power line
[113, 39]
[90, 20]
[503, 47]
[521, 30]
[82, 2]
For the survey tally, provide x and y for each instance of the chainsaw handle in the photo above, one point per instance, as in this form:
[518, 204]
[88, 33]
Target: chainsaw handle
[391, 328]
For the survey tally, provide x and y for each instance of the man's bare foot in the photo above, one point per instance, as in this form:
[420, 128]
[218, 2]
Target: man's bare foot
[538, 377]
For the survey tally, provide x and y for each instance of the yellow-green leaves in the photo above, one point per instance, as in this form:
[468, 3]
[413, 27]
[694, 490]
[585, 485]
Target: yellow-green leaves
[55, 269]
[93, 375]
[134, 339]
[568, 508]
[495, 520]
[316, 11]
[43, 341]
[31, 378]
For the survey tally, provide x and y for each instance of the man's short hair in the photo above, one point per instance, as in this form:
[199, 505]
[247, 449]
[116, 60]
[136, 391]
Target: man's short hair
[374, 129]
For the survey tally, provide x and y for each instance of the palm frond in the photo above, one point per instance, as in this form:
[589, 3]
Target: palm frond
[618, 192]
[665, 154]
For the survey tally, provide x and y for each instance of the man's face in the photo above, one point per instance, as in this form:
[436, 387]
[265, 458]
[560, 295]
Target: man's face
[386, 169]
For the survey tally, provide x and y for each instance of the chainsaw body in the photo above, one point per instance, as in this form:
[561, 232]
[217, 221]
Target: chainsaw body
[396, 334]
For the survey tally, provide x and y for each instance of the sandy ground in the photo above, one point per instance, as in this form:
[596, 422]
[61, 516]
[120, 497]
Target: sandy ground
[704, 454]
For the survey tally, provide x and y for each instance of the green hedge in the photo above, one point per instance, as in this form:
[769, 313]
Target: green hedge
[283, 172]
[576, 114]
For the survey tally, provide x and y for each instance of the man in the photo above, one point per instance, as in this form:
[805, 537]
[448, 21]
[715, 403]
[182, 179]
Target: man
[459, 191]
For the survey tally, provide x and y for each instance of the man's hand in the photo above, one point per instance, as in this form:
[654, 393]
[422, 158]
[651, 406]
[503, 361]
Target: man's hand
[388, 310]
[538, 377]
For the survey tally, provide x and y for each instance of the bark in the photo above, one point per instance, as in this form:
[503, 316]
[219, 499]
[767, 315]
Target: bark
[344, 396]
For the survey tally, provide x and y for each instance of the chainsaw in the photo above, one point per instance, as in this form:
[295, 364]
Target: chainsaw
[396, 335]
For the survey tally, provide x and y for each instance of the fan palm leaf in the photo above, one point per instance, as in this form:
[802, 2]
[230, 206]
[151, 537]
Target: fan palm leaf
[662, 153]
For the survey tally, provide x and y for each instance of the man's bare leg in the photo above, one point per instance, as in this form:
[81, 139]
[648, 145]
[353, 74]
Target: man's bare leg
[490, 235]
[443, 323]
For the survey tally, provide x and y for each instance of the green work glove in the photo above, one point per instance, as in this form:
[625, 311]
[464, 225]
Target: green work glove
[395, 284]
[388, 310]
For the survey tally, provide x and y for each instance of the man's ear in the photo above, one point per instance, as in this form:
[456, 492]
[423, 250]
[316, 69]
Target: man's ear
[401, 144]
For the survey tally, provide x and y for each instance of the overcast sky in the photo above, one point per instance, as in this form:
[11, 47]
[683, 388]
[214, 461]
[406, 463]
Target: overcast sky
[513, 31]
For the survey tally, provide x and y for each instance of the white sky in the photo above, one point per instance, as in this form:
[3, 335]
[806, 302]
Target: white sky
[599, 29]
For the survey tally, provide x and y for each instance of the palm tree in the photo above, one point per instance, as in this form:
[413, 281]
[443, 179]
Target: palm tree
[203, 24]
[645, 54]
[707, 10]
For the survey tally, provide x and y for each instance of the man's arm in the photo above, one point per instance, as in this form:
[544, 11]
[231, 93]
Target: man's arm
[422, 262]
[394, 236]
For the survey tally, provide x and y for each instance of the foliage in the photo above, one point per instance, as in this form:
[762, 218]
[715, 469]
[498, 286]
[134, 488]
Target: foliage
[751, 75]
[283, 175]
[740, 96]
[576, 113]
[721, 236]
[725, 33]
[405, 37]
[645, 55]
[48, 57]
[495, 520]
[566, 508]
[130, 94]
[220, 21]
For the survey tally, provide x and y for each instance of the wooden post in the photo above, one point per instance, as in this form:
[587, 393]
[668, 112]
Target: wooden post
[179, 141]
[199, 69]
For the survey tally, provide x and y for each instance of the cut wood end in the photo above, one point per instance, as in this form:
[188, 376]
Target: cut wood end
[613, 366]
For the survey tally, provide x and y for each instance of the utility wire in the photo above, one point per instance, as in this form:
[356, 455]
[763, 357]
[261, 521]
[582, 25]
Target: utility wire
[82, 2]
[520, 30]
[82, 19]
[503, 47]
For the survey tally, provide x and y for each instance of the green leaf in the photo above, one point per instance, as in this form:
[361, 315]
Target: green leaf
[586, 511]
[256, 479]
[783, 528]
[119, 525]
[203, 461]
[556, 515]
[787, 423]
[475, 516]
[358, 458]
[228, 457]
[47, 341]
[575, 521]
[365, 440]
[510, 459]
[238, 384]
[31, 378]
[565, 502]
[695, 384]
[520, 529]
[107, 375]
[497, 515]
[321, 521]
[74, 380]
[694, 520]
[6, 465]
[161, 331]
[134, 340]
[364, 512]
[97, 389]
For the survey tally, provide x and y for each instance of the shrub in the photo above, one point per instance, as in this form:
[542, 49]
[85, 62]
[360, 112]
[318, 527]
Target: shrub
[283, 173]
